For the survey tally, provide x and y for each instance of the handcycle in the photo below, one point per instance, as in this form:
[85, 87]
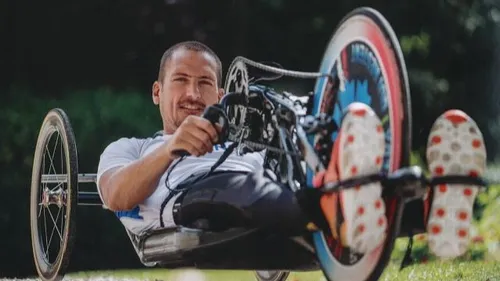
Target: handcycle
[362, 63]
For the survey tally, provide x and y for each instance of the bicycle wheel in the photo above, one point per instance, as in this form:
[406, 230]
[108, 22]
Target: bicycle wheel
[263, 275]
[365, 55]
[53, 198]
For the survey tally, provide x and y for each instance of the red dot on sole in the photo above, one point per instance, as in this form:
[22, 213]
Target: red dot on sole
[436, 139]
[476, 143]
[436, 229]
[439, 170]
[456, 116]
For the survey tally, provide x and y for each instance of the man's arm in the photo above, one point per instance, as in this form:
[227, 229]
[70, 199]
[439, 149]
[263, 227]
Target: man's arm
[123, 188]
[131, 179]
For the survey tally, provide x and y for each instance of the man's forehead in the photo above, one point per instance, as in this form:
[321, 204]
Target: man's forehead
[185, 58]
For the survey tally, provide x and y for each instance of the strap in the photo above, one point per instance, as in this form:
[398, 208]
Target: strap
[223, 158]
[408, 260]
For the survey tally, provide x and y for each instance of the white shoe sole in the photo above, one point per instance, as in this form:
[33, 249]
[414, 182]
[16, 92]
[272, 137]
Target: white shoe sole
[361, 152]
[455, 147]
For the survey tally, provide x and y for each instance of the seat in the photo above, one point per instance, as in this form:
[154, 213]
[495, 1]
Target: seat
[237, 249]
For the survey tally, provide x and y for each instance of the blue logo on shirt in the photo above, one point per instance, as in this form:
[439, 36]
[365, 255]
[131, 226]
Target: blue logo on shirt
[133, 214]
[223, 146]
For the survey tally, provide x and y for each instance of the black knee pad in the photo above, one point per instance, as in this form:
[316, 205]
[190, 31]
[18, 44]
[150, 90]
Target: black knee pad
[240, 200]
[198, 209]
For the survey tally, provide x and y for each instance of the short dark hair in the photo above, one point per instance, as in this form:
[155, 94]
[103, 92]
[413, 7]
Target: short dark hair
[192, 46]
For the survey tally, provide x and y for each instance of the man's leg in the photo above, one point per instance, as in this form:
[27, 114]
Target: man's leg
[232, 199]
[355, 216]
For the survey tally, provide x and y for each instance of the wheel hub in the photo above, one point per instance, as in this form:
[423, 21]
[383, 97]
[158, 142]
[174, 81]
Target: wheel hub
[53, 197]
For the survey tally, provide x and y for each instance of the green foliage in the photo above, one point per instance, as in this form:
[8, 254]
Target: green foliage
[489, 224]
[416, 43]
[486, 199]
[416, 159]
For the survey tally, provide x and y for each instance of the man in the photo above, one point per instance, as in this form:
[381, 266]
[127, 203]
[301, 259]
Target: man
[135, 176]
[150, 186]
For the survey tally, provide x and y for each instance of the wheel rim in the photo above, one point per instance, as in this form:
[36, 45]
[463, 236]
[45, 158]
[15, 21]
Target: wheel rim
[359, 39]
[51, 203]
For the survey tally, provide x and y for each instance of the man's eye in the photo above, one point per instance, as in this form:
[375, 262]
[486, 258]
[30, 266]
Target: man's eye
[180, 79]
[206, 82]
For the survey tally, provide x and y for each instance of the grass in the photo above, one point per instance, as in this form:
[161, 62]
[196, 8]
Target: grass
[470, 267]
[432, 271]
[442, 271]
[177, 275]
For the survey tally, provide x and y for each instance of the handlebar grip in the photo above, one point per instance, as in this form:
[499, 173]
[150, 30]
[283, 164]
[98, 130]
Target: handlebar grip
[216, 115]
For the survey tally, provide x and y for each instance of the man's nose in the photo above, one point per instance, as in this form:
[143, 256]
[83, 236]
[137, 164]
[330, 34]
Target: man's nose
[193, 91]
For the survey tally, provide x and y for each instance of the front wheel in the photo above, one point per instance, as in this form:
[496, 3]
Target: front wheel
[271, 275]
[54, 185]
[365, 56]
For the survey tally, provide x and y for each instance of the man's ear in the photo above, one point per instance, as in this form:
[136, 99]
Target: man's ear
[221, 93]
[156, 92]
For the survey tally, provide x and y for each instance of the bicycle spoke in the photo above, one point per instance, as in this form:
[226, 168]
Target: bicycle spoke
[51, 162]
[51, 155]
[62, 224]
[41, 209]
[58, 185]
[54, 228]
[55, 224]
[46, 236]
[55, 148]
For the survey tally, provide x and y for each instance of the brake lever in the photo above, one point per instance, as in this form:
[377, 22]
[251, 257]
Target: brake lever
[216, 115]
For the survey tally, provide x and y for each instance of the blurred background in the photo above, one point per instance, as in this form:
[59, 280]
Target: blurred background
[97, 59]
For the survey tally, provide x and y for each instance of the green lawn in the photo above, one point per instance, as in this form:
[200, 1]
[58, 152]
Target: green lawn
[480, 271]
[438, 271]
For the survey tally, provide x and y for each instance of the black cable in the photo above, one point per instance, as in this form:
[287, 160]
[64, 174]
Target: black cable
[170, 171]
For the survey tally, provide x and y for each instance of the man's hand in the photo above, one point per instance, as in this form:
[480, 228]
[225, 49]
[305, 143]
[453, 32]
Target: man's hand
[196, 135]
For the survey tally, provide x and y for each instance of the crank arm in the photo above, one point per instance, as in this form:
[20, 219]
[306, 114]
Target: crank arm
[458, 179]
[409, 183]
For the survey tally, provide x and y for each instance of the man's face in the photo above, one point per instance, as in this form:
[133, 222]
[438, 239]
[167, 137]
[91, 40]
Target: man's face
[189, 85]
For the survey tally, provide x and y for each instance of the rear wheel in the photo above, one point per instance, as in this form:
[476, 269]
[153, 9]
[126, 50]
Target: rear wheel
[53, 198]
[365, 56]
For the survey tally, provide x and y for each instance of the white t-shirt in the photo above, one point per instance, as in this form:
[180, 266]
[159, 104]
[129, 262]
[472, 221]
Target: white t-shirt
[146, 215]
